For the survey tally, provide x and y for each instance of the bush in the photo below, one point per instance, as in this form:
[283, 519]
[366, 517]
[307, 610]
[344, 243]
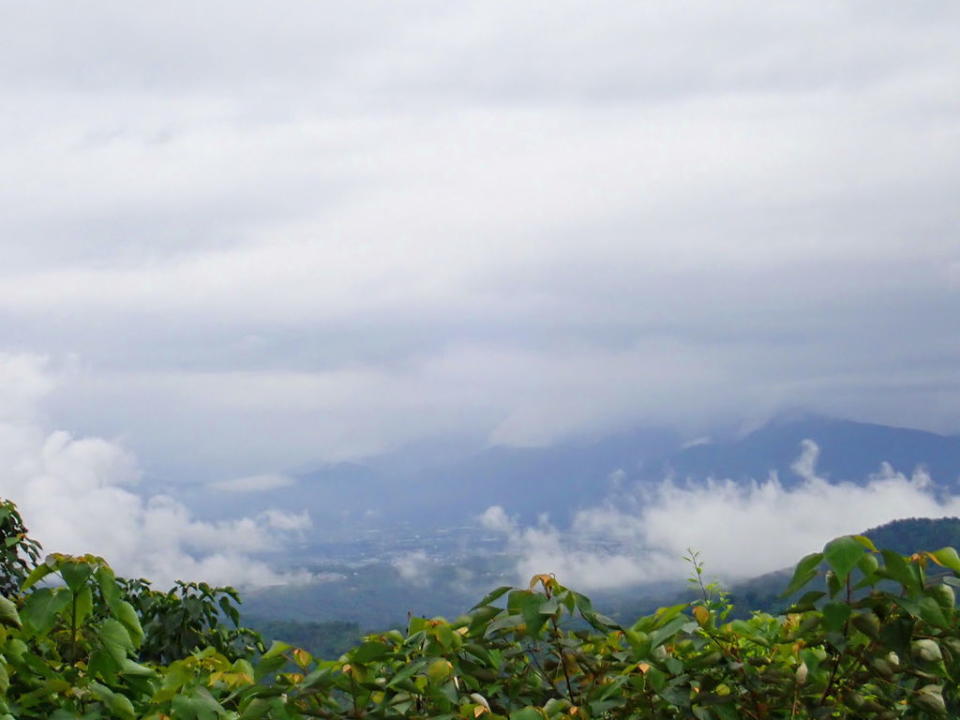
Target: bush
[880, 639]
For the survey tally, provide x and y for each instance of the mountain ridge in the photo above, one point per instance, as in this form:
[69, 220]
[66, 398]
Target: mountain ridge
[558, 480]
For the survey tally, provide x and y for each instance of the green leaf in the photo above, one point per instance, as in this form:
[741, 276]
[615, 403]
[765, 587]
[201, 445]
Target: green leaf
[896, 568]
[929, 610]
[200, 705]
[868, 565]
[119, 705]
[835, 615]
[842, 555]
[369, 651]
[267, 666]
[805, 571]
[948, 557]
[8, 613]
[807, 601]
[600, 621]
[62, 714]
[43, 606]
[75, 574]
[84, 605]
[36, 575]
[868, 623]
[503, 622]
[528, 604]
[407, 672]
[834, 585]
[666, 614]
[131, 621]
[230, 610]
[115, 639]
[527, 713]
[135, 669]
[102, 664]
[277, 648]
[108, 585]
[661, 635]
[897, 635]
[257, 708]
[492, 595]
[748, 631]
[639, 641]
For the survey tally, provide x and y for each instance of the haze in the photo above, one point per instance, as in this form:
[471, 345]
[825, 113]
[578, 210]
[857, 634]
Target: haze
[241, 239]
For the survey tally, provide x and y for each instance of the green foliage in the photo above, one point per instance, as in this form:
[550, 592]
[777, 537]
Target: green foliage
[19, 553]
[875, 634]
[900, 536]
[188, 617]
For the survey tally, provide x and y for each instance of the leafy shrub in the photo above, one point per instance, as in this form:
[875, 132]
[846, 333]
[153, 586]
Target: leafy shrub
[879, 638]
[188, 617]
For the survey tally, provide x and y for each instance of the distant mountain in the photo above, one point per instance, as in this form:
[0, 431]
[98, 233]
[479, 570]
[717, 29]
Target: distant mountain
[445, 487]
[563, 478]
[557, 480]
[450, 491]
[848, 451]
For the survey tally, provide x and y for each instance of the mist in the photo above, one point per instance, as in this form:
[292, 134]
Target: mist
[80, 495]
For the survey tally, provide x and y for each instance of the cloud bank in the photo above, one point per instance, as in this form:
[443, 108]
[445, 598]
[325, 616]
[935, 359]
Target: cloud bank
[741, 530]
[78, 495]
[253, 483]
[280, 238]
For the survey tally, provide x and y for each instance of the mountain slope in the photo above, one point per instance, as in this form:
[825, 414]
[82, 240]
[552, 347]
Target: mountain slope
[904, 536]
[848, 451]
[348, 499]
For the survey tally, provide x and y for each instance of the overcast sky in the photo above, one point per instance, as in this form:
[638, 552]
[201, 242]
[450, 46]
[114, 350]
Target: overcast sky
[243, 237]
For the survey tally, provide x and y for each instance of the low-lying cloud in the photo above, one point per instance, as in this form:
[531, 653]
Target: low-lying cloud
[77, 496]
[253, 483]
[740, 529]
[414, 567]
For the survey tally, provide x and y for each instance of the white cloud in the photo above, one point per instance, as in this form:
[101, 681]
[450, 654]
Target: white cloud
[414, 567]
[77, 496]
[495, 518]
[24, 380]
[288, 522]
[741, 530]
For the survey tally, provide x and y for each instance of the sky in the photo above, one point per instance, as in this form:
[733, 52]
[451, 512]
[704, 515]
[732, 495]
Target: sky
[240, 239]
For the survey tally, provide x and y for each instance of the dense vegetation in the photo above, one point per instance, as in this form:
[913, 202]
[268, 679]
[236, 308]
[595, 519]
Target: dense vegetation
[326, 639]
[903, 536]
[879, 639]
